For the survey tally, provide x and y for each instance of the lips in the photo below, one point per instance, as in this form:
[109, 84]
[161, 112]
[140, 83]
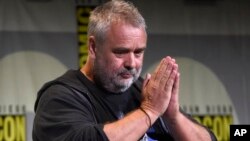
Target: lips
[126, 75]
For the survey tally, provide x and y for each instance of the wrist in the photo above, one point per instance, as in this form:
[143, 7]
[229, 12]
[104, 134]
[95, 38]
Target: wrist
[152, 116]
[174, 118]
[148, 117]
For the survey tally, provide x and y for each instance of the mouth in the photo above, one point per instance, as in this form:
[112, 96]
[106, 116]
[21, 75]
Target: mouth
[126, 75]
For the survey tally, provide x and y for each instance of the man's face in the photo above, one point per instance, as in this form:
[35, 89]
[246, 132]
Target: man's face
[118, 62]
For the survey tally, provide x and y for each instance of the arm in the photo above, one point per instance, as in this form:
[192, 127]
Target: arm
[160, 94]
[155, 102]
[130, 128]
[184, 129]
[181, 127]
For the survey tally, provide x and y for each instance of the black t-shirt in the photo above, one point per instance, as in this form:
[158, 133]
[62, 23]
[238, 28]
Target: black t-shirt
[72, 108]
[115, 105]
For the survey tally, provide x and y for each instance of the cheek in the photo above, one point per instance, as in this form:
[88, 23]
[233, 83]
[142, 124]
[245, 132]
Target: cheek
[111, 64]
[139, 63]
[113, 59]
[116, 64]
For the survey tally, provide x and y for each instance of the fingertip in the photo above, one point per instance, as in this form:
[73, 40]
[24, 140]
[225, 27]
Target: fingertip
[148, 76]
[168, 57]
[178, 76]
[176, 65]
[175, 72]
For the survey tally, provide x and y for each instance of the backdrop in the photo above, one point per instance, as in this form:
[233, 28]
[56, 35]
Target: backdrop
[41, 39]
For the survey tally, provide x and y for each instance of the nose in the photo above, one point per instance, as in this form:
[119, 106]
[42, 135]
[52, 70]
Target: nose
[130, 61]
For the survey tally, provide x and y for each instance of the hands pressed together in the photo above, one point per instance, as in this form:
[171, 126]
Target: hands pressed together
[160, 98]
[161, 90]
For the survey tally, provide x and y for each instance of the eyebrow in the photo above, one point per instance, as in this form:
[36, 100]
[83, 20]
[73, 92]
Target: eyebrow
[140, 49]
[124, 49]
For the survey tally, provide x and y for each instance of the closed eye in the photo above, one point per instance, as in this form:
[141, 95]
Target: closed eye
[122, 51]
[139, 52]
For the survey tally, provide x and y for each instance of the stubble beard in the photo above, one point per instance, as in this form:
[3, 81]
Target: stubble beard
[112, 80]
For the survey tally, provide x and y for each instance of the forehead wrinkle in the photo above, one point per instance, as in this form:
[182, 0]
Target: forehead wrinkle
[126, 35]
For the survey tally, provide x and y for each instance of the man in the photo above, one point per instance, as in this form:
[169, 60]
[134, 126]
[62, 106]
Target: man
[106, 99]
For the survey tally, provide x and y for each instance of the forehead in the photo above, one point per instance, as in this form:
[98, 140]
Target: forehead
[126, 34]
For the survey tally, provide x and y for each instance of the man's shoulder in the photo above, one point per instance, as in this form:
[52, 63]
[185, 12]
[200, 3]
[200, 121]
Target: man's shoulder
[69, 80]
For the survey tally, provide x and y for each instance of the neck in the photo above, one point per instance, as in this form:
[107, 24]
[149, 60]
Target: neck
[87, 71]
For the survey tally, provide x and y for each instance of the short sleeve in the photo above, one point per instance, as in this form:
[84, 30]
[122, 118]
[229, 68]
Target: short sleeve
[63, 115]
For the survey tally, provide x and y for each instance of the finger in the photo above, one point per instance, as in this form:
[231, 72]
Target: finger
[171, 80]
[176, 87]
[176, 80]
[159, 70]
[145, 82]
[175, 67]
[168, 69]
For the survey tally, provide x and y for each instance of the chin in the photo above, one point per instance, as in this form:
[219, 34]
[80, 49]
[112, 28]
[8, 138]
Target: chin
[127, 85]
[122, 84]
[127, 82]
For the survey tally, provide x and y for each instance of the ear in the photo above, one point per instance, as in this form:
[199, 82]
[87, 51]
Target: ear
[92, 47]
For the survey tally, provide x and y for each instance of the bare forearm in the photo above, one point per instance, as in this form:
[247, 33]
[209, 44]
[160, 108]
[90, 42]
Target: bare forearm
[184, 129]
[131, 127]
